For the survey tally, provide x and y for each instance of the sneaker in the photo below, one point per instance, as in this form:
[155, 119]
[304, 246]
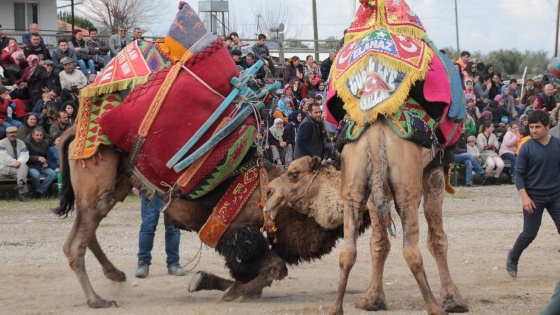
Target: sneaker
[471, 185]
[20, 187]
[176, 270]
[143, 270]
[511, 266]
[23, 198]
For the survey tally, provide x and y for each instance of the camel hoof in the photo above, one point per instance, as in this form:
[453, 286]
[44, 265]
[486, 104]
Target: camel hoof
[116, 275]
[333, 310]
[195, 283]
[452, 306]
[371, 305]
[231, 294]
[100, 303]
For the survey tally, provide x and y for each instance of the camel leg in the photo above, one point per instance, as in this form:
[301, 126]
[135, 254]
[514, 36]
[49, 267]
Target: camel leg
[354, 195]
[374, 298]
[207, 281]
[433, 184]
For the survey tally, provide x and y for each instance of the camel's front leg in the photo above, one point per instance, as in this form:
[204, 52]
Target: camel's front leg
[433, 184]
[374, 298]
[110, 271]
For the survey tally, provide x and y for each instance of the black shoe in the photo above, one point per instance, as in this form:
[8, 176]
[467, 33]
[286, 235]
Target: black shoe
[487, 181]
[19, 187]
[38, 195]
[511, 266]
[23, 198]
[495, 181]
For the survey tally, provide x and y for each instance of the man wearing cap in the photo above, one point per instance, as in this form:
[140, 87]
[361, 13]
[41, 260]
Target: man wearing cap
[13, 161]
[61, 54]
[118, 41]
[54, 78]
[70, 75]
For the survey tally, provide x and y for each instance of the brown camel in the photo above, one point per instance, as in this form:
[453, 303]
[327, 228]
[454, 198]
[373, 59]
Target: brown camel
[376, 168]
[94, 190]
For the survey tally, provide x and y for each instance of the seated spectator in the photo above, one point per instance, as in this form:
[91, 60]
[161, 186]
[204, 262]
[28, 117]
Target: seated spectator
[53, 77]
[236, 55]
[250, 59]
[6, 109]
[98, 48]
[29, 123]
[70, 109]
[462, 156]
[35, 47]
[311, 67]
[482, 90]
[262, 53]
[500, 117]
[13, 61]
[285, 105]
[326, 65]
[308, 87]
[26, 37]
[320, 87]
[469, 92]
[63, 53]
[228, 42]
[545, 99]
[13, 161]
[296, 84]
[510, 144]
[79, 45]
[37, 163]
[119, 41]
[509, 102]
[55, 97]
[70, 93]
[294, 119]
[53, 161]
[554, 115]
[487, 144]
[280, 144]
[473, 149]
[470, 125]
[61, 124]
[293, 70]
[41, 107]
[472, 110]
[34, 80]
[71, 75]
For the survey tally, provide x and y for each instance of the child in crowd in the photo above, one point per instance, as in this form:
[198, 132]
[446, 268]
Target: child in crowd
[469, 92]
[473, 149]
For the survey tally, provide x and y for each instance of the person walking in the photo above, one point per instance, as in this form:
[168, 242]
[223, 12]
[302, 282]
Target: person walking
[150, 211]
[537, 174]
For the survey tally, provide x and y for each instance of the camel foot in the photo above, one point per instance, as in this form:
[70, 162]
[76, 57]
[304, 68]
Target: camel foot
[195, 283]
[207, 281]
[239, 291]
[453, 306]
[371, 304]
[116, 275]
[101, 303]
[334, 310]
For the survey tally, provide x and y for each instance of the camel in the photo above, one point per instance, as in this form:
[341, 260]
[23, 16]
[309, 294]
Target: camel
[376, 168]
[93, 190]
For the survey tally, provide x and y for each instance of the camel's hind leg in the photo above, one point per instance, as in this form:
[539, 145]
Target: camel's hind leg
[95, 196]
[374, 298]
[433, 184]
[405, 180]
[355, 168]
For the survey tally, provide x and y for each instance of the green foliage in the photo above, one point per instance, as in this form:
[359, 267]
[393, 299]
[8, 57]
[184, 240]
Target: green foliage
[329, 43]
[294, 43]
[78, 20]
[505, 61]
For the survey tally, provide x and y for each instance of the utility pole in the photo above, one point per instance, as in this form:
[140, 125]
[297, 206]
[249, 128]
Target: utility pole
[457, 26]
[557, 24]
[315, 33]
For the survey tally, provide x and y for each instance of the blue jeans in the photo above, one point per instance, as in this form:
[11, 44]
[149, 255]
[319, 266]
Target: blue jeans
[532, 222]
[91, 66]
[513, 159]
[150, 218]
[35, 177]
[470, 162]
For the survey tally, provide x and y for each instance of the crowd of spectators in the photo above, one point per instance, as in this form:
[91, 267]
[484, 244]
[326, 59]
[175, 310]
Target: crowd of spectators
[496, 121]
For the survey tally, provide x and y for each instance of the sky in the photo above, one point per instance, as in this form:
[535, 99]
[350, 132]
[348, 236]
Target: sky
[484, 25]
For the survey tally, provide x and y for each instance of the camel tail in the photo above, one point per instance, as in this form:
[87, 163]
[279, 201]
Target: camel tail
[380, 170]
[67, 192]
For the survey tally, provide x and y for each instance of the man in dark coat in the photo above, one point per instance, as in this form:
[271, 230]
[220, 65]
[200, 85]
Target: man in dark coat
[309, 140]
[37, 163]
[326, 66]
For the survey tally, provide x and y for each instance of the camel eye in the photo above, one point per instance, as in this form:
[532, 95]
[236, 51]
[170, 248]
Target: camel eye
[294, 176]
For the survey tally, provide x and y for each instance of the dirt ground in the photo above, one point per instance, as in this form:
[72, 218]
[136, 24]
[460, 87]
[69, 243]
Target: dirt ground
[481, 223]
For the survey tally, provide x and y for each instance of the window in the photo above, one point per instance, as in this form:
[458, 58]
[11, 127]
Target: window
[25, 13]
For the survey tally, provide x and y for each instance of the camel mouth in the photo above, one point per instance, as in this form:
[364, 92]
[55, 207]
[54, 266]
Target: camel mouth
[374, 84]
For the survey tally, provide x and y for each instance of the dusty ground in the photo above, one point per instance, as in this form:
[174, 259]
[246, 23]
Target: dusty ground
[481, 223]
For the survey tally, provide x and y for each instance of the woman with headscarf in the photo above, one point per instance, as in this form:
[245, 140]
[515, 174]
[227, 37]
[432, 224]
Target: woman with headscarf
[35, 79]
[285, 105]
[294, 119]
[293, 70]
[280, 143]
[13, 61]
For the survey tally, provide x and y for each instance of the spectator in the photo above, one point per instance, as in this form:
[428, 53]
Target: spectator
[500, 116]
[309, 140]
[53, 77]
[61, 124]
[35, 47]
[471, 72]
[53, 160]
[554, 115]
[285, 105]
[311, 67]
[41, 107]
[3, 39]
[6, 108]
[13, 161]
[119, 41]
[293, 70]
[30, 121]
[98, 48]
[308, 87]
[326, 65]
[509, 102]
[473, 149]
[137, 34]
[294, 120]
[546, 100]
[489, 70]
[34, 80]
[472, 110]
[262, 53]
[463, 61]
[536, 178]
[70, 93]
[70, 109]
[250, 59]
[496, 87]
[79, 45]
[26, 37]
[279, 141]
[236, 55]
[228, 42]
[37, 163]
[510, 144]
[61, 54]
[150, 212]
[462, 156]
[296, 84]
[320, 87]
[487, 143]
[13, 61]
[469, 92]
[237, 44]
[470, 125]
[481, 90]
[70, 75]
[461, 75]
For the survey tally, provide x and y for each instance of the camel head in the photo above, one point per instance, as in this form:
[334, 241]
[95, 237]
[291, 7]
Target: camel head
[309, 188]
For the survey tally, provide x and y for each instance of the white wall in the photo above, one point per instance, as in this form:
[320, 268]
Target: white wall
[47, 15]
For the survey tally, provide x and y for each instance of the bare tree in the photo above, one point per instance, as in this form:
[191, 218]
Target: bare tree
[112, 13]
[268, 13]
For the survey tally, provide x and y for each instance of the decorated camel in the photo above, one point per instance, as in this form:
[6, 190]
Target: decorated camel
[177, 120]
[399, 94]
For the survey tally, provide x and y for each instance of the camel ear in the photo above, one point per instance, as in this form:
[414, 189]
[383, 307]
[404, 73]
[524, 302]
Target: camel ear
[315, 163]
